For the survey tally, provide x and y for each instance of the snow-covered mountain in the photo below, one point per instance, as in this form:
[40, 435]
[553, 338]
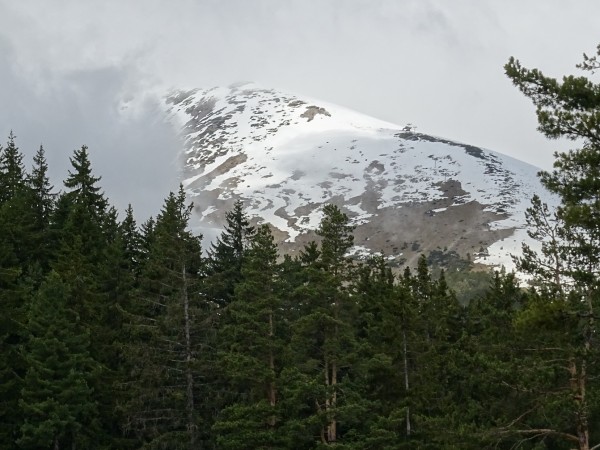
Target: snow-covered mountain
[407, 192]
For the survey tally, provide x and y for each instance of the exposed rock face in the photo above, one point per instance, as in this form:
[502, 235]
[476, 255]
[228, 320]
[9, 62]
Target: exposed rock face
[408, 193]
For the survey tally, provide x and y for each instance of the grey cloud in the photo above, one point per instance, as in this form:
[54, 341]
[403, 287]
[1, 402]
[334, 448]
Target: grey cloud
[134, 152]
[433, 63]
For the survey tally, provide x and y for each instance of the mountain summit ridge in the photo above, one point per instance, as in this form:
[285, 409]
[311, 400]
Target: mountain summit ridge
[406, 192]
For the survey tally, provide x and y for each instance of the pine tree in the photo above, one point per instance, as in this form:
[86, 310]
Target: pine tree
[568, 268]
[57, 400]
[119, 276]
[39, 182]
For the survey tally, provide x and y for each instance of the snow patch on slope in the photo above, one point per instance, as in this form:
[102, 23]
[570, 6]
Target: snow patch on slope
[286, 156]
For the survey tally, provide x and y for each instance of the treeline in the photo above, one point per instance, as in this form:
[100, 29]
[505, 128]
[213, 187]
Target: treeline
[119, 336]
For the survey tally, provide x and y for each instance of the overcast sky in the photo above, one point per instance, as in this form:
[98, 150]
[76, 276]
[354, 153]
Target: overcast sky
[88, 72]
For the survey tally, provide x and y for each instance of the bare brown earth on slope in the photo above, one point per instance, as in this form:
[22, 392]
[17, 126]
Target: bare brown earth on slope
[414, 229]
[403, 233]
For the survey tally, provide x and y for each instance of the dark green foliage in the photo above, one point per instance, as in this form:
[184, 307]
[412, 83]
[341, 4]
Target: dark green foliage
[560, 317]
[252, 351]
[12, 171]
[43, 197]
[83, 227]
[81, 210]
[16, 229]
[564, 109]
[227, 254]
[165, 326]
[16, 260]
[12, 365]
[57, 402]
[117, 337]
[323, 341]
[82, 185]
[41, 200]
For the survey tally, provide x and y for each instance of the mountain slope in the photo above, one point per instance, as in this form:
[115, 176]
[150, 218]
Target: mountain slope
[407, 192]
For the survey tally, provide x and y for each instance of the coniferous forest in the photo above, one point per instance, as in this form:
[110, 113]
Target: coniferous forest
[118, 335]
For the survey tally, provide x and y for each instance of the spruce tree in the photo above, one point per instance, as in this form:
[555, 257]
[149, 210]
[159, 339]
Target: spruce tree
[165, 355]
[227, 254]
[57, 401]
[130, 239]
[81, 210]
[323, 339]
[252, 348]
[15, 226]
[437, 362]
[386, 335]
[84, 227]
[492, 385]
[12, 365]
[12, 170]
[41, 205]
[15, 257]
[82, 185]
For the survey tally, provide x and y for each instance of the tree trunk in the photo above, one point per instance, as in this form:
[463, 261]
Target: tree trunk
[327, 398]
[577, 384]
[579, 381]
[188, 359]
[332, 427]
[406, 385]
[272, 392]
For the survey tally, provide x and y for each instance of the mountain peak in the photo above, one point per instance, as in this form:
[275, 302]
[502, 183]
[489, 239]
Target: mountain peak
[408, 193]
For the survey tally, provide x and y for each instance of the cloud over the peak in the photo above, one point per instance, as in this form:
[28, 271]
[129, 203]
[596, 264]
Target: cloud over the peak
[69, 68]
